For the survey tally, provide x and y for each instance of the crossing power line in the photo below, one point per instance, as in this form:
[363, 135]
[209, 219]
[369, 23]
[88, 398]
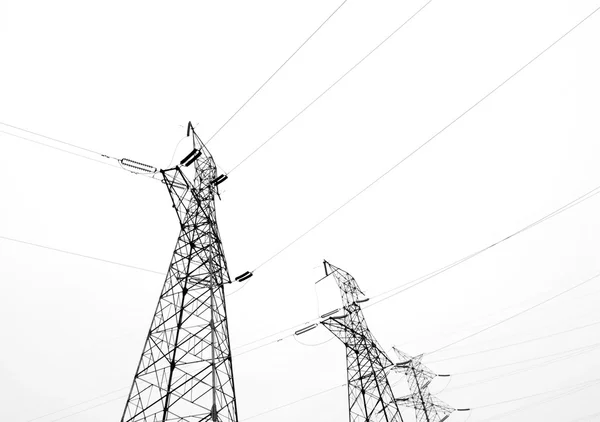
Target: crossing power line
[396, 165]
[277, 71]
[530, 308]
[382, 296]
[421, 146]
[317, 98]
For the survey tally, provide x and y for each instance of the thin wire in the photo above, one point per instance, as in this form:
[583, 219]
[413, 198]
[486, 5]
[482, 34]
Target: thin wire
[426, 142]
[238, 289]
[81, 255]
[590, 382]
[57, 140]
[75, 405]
[60, 149]
[564, 353]
[267, 344]
[175, 150]
[446, 386]
[526, 369]
[515, 315]
[567, 392]
[89, 408]
[295, 401]
[276, 71]
[469, 415]
[328, 89]
[262, 345]
[313, 345]
[413, 283]
[573, 203]
[515, 344]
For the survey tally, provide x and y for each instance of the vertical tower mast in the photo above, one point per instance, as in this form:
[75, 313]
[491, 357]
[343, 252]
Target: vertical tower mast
[185, 372]
[370, 396]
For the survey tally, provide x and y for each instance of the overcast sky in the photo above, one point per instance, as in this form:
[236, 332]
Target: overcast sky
[124, 78]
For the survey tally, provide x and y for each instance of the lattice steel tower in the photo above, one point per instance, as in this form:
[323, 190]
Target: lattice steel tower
[370, 396]
[427, 407]
[185, 372]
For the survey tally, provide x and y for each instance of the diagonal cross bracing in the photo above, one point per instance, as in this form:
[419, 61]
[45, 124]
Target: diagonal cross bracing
[370, 396]
[185, 372]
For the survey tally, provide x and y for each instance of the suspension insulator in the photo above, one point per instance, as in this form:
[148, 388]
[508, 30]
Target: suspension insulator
[220, 179]
[191, 157]
[305, 329]
[136, 166]
[244, 276]
[328, 314]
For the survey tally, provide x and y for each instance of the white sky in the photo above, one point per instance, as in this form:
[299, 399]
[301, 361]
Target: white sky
[123, 78]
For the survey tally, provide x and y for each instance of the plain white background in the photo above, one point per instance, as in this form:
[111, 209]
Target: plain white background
[123, 78]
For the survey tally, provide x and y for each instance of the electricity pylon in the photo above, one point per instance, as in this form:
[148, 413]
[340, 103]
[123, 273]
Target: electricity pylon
[427, 407]
[370, 396]
[185, 372]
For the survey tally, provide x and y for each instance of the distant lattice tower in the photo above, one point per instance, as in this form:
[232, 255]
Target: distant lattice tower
[370, 396]
[185, 372]
[427, 407]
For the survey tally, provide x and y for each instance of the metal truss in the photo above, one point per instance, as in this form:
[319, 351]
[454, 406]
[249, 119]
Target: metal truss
[427, 407]
[370, 396]
[185, 372]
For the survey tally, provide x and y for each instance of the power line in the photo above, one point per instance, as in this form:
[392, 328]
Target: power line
[515, 315]
[276, 71]
[89, 408]
[565, 392]
[565, 354]
[413, 283]
[325, 391]
[123, 162]
[295, 401]
[330, 87]
[352, 198]
[58, 149]
[516, 344]
[589, 347]
[57, 140]
[79, 404]
[410, 284]
[526, 369]
[562, 389]
[81, 255]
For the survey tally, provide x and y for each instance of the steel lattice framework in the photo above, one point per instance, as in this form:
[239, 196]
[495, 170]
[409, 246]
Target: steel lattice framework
[370, 396]
[185, 372]
[427, 407]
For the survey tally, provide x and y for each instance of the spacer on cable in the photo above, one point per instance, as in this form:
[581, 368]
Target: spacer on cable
[244, 276]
